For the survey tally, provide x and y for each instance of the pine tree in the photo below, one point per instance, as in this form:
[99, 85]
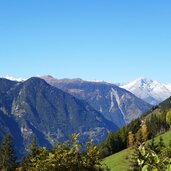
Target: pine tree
[107, 148]
[153, 126]
[110, 142]
[133, 159]
[34, 148]
[161, 144]
[152, 145]
[33, 152]
[7, 154]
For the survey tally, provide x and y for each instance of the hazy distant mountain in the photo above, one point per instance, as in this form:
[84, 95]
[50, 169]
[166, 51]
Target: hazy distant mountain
[115, 103]
[34, 107]
[150, 91]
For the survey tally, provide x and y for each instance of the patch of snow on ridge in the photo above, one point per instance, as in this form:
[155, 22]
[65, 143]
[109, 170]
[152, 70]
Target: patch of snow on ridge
[168, 86]
[14, 78]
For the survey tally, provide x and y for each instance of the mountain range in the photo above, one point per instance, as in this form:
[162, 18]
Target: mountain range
[35, 108]
[151, 91]
[115, 104]
[148, 90]
[52, 109]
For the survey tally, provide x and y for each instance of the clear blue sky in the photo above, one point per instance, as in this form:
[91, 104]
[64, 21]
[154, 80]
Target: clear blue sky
[112, 40]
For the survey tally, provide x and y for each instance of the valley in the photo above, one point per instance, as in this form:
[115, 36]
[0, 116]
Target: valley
[53, 110]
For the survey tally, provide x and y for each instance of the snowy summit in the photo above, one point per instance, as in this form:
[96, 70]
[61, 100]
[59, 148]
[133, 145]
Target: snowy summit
[150, 91]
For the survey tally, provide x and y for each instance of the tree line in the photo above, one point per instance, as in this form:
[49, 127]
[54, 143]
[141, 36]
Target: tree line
[68, 156]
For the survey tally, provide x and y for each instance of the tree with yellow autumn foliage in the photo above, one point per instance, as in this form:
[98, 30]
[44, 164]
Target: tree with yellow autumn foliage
[131, 139]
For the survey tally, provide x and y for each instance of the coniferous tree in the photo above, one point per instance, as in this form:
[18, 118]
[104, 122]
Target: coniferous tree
[108, 147]
[161, 144]
[110, 142]
[7, 154]
[133, 159]
[153, 126]
[153, 145]
[34, 150]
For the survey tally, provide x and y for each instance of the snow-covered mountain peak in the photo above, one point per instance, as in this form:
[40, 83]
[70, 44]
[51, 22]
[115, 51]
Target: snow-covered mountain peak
[142, 81]
[168, 86]
[151, 91]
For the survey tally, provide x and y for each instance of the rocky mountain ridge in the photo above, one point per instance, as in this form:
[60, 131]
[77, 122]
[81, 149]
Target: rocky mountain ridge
[35, 108]
[115, 103]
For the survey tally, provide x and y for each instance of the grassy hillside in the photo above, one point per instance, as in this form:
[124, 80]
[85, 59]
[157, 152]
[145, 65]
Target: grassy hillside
[166, 137]
[120, 161]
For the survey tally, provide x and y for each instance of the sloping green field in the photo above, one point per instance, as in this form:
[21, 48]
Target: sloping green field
[166, 137]
[120, 161]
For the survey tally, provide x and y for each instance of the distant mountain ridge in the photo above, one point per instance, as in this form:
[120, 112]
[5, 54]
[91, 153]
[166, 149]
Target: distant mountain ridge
[115, 103]
[34, 107]
[153, 92]
[150, 91]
